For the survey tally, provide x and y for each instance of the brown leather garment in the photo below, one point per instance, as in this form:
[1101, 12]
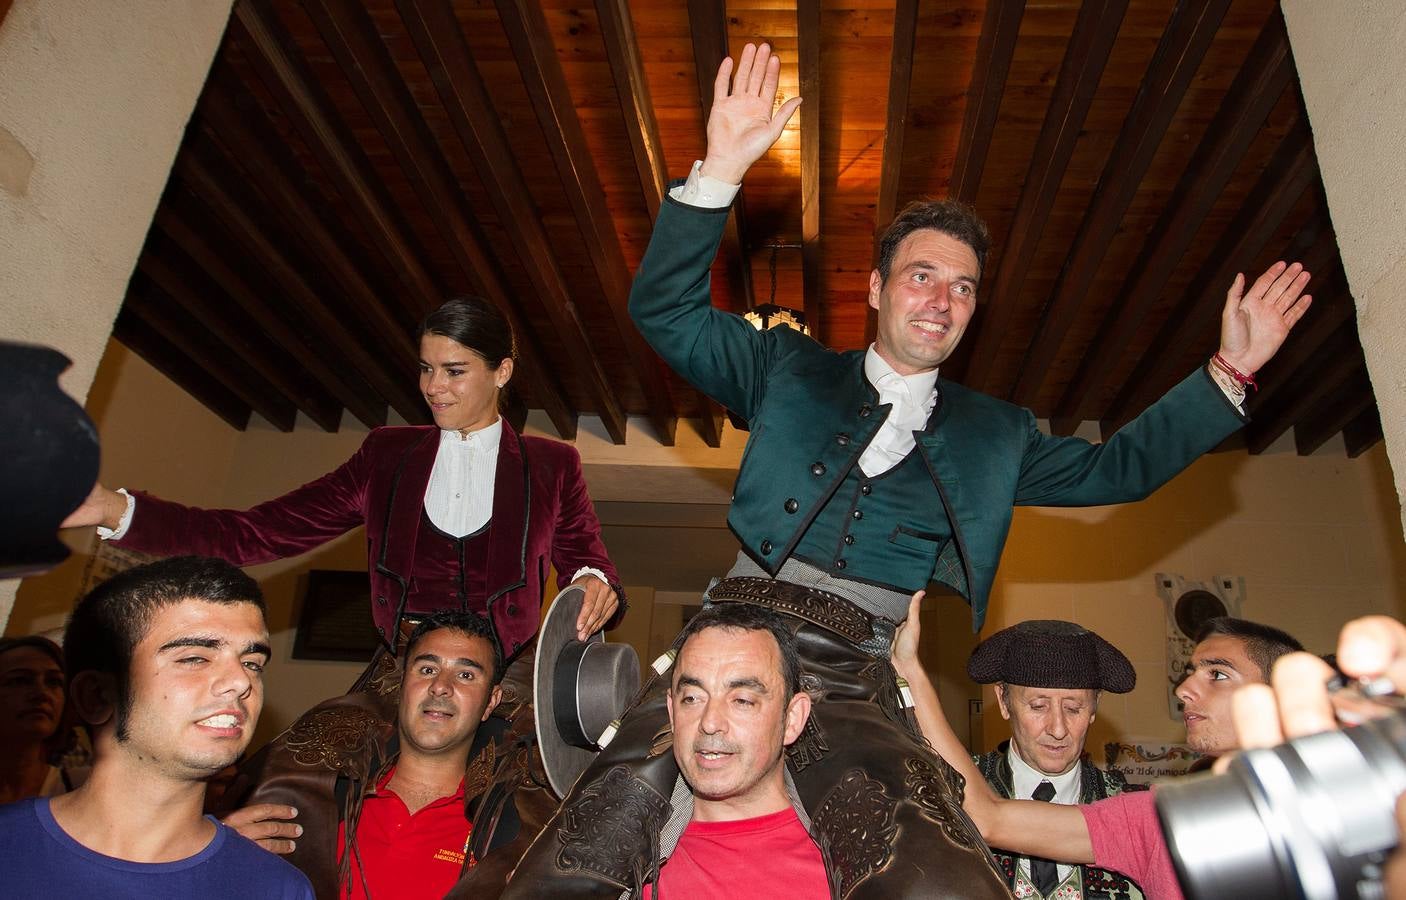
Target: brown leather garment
[885, 810]
[326, 761]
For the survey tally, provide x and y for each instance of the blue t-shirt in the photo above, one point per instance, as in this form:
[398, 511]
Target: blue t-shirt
[38, 859]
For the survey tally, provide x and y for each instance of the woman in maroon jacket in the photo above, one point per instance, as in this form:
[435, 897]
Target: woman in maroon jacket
[467, 513]
[464, 514]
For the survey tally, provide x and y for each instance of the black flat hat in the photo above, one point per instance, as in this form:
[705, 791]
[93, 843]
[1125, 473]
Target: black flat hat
[580, 688]
[1050, 653]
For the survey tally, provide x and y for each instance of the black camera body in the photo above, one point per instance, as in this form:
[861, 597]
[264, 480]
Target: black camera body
[1314, 818]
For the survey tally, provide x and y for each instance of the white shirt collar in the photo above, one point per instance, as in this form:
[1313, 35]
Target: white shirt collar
[485, 439]
[921, 387]
[1025, 778]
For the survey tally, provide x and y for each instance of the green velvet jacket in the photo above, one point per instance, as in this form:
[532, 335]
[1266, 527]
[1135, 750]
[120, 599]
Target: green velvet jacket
[812, 412]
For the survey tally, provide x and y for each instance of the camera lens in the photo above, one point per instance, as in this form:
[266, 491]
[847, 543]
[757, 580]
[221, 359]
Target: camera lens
[1313, 818]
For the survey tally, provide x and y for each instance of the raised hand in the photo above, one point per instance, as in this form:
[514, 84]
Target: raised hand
[742, 125]
[1254, 324]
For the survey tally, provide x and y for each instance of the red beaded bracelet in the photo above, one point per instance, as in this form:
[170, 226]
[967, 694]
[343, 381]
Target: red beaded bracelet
[1240, 377]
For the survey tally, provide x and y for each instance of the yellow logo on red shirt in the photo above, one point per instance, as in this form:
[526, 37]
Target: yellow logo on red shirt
[449, 856]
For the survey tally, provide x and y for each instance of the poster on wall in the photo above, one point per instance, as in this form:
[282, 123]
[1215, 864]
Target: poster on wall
[1186, 605]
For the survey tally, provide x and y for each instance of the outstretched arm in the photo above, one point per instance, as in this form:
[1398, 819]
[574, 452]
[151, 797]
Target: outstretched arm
[1051, 830]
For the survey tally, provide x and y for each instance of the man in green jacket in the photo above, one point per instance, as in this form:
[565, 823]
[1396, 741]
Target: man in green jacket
[865, 477]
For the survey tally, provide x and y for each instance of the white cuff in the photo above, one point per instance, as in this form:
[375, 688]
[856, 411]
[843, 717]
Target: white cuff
[587, 570]
[116, 534]
[1234, 391]
[704, 190]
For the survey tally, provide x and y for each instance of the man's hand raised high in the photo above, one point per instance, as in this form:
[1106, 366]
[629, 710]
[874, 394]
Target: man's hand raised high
[742, 125]
[1255, 323]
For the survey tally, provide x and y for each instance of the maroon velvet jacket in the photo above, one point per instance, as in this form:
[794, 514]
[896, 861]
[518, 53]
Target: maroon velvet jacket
[542, 515]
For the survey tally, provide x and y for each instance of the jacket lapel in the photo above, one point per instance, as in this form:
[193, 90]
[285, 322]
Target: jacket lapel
[406, 504]
[512, 497]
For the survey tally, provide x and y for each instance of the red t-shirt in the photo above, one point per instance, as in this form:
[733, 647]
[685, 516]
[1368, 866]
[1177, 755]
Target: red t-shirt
[404, 856]
[769, 856]
[1127, 837]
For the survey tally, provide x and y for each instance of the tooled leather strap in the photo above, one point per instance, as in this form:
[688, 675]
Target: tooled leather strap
[829, 611]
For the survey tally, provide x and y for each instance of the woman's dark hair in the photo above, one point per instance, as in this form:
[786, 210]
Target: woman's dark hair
[477, 324]
[61, 741]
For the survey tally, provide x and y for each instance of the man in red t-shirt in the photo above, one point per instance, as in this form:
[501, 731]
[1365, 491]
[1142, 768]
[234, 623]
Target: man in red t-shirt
[735, 704]
[411, 837]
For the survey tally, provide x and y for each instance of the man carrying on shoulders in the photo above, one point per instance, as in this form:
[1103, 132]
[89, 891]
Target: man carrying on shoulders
[165, 665]
[1048, 676]
[735, 704]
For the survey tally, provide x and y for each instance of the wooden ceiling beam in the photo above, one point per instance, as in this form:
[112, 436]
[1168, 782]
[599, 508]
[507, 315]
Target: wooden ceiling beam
[808, 59]
[1347, 402]
[632, 88]
[1290, 172]
[617, 29]
[300, 97]
[530, 39]
[1084, 60]
[1363, 432]
[214, 312]
[257, 151]
[905, 33]
[212, 352]
[994, 50]
[211, 190]
[1341, 355]
[1188, 35]
[707, 21]
[442, 48]
[1261, 81]
[387, 101]
[191, 376]
[353, 393]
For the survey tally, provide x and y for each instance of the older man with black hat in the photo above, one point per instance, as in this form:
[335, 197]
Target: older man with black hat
[1048, 676]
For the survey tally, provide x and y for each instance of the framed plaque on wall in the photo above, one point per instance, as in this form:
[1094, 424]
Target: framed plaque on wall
[334, 621]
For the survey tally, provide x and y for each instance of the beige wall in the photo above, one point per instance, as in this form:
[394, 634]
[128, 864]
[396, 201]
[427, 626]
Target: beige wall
[1353, 70]
[1315, 538]
[94, 98]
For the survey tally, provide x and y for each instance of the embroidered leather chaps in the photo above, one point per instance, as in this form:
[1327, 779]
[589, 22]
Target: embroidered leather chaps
[885, 810]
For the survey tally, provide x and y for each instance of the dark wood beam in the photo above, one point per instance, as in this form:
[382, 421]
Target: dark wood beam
[429, 175]
[259, 152]
[632, 87]
[1343, 405]
[530, 39]
[180, 329]
[994, 51]
[1262, 79]
[215, 312]
[617, 28]
[1290, 172]
[301, 99]
[905, 32]
[1079, 74]
[445, 53]
[353, 393]
[1184, 43]
[808, 59]
[212, 191]
[707, 21]
[1363, 432]
[1269, 418]
[166, 358]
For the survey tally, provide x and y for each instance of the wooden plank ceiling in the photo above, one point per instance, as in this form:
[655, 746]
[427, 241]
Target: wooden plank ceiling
[351, 164]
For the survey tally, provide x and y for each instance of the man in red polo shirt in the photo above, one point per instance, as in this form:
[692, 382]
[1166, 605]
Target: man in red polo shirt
[411, 837]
